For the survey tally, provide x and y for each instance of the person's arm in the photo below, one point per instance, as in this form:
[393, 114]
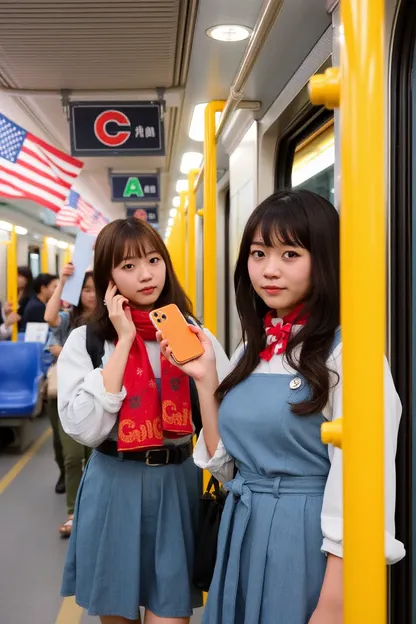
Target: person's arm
[207, 371]
[88, 412]
[331, 601]
[53, 306]
[55, 349]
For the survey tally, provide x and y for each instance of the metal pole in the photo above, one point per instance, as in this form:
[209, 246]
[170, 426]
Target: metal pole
[363, 295]
[44, 263]
[191, 276]
[182, 237]
[265, 22]
[210, 217]
[12, 277]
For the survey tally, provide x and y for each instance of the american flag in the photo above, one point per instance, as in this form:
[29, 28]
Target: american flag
[78, 213]
[32, 169]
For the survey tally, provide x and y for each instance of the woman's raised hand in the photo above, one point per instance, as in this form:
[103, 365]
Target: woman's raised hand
[66, 272]
[120, 314]
[202, 369]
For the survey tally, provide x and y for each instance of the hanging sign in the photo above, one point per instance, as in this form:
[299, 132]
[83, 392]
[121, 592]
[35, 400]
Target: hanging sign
[151, 215]
[120, 129]
[139, 187]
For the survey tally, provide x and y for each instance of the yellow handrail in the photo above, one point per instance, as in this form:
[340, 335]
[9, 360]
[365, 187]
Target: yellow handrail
[363, 295]
[191, 274]
[44, 261]
[210, 216]
[182, 251]
[67, 256]
[12, 296]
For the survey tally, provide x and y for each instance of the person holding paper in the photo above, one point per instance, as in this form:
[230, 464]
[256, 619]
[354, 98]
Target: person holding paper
[133, 536]
[69, 454]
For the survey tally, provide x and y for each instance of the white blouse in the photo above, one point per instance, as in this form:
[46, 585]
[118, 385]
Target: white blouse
[221, 464]
[88, 412]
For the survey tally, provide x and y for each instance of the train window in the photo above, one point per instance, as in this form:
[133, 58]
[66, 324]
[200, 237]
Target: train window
[313, 162]
[34, 262]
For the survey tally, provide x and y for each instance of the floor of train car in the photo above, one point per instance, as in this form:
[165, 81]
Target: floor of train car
[31, 553]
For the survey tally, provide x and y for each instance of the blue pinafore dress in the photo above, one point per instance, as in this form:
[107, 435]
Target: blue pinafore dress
[270, 567]
[133, 537]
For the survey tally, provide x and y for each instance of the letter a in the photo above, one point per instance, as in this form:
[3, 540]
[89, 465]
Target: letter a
[133, 187]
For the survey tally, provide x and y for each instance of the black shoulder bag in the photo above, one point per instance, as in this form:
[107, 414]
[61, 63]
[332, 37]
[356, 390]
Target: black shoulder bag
[210, 511]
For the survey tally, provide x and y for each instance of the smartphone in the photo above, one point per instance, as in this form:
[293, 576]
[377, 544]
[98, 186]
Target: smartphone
[184, 345]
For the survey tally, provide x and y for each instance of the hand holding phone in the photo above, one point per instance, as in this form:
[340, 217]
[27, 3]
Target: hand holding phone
[184, 345]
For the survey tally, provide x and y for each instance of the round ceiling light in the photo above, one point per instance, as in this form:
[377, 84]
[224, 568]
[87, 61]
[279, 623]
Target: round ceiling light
[229, 32]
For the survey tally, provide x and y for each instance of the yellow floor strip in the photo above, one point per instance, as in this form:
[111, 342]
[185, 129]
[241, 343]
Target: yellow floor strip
[18, 467]
[70, 612]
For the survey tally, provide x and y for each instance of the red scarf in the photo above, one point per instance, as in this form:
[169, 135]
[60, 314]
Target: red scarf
[278, 331]
[145, 417]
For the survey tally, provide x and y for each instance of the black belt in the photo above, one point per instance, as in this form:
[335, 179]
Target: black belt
[152, 457]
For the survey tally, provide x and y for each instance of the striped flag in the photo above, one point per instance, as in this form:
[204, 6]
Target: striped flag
[78, 213]
[87, 213]
[32, 169]
[95, 229]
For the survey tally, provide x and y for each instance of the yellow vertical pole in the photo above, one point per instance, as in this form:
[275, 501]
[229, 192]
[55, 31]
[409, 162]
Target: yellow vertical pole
[44, 266]
[67, 256]
[191, 275]
[175, 247]
[182, 227]
[363, 278]
[12, 277]
[363, 295]
[210, 216]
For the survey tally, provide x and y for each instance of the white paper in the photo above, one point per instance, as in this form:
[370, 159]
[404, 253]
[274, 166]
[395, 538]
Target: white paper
[81, 259]
[36, 332]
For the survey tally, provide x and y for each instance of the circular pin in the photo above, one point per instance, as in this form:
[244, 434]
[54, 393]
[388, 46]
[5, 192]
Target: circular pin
[295, 383]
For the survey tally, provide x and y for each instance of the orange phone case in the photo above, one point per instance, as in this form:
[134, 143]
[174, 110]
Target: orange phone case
[184, 344]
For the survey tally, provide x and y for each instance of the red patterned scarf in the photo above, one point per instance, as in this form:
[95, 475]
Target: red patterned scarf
[278, 331]
[145, 417]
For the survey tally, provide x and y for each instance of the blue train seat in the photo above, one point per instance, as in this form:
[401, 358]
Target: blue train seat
[20, 378]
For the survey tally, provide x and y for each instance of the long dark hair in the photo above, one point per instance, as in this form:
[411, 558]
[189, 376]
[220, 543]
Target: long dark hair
[26, 272]
[303, 219]
[78, 315]
[129, 237]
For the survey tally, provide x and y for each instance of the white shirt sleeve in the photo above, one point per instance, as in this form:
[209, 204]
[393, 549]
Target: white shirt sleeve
[332, 509]
[87, 411]
[221, 464]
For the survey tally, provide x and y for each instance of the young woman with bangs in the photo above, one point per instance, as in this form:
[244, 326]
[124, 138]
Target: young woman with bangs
[279, 558]
[132, 542]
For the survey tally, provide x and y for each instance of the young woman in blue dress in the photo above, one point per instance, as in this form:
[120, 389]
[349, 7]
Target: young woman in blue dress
[133, 535]
[279, 558]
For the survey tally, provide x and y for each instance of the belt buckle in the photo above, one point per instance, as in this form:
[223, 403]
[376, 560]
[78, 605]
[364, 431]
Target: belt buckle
[166, 450]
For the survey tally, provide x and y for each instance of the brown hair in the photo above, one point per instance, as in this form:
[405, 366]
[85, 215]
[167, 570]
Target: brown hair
[128, 237]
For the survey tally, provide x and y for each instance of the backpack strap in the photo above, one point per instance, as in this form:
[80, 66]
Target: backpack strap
[94, 346]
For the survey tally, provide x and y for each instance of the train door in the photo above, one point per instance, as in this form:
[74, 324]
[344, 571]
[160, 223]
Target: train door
[403, 300]
[33, 259]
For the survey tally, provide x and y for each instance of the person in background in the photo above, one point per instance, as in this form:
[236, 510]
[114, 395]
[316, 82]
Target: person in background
[44, 286]
[9, 318]
[24, 289]
[69, 454]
